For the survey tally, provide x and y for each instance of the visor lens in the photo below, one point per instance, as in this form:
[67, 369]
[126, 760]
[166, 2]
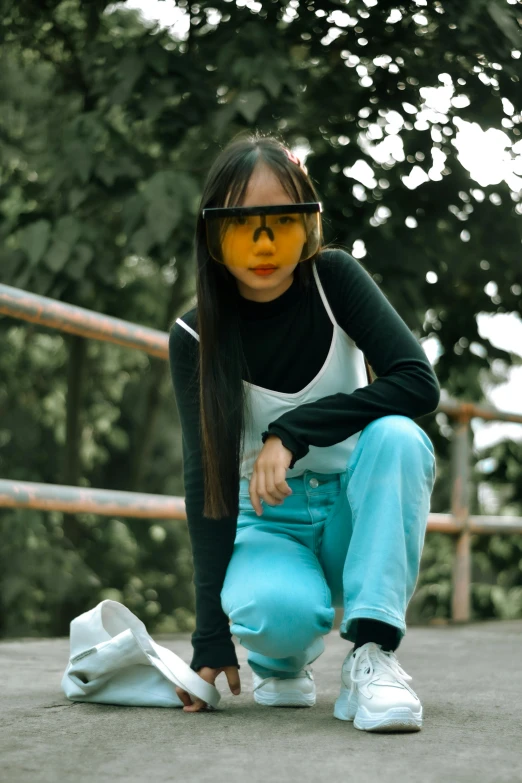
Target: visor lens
[250, 240]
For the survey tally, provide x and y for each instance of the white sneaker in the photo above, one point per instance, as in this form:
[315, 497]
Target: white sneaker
[291, 692]
[374, 693]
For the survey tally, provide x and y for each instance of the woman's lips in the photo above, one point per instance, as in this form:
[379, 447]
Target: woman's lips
[264, 271]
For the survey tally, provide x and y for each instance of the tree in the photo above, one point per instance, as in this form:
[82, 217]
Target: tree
[108, 127]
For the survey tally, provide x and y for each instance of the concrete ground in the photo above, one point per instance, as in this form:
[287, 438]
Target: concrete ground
[468, 677]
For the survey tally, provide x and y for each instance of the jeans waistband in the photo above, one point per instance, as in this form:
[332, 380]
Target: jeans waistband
[301, 485]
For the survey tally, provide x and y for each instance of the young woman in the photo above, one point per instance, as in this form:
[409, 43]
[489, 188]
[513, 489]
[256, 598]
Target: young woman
[307, 482]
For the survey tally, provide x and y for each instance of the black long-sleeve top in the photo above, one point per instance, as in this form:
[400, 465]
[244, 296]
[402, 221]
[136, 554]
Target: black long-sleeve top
[286, 342]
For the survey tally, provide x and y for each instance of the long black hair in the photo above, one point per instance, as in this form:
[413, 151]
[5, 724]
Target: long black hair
[222, 365]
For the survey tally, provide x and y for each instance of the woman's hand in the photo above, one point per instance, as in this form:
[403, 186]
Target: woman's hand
[209, 675]
[269, 476]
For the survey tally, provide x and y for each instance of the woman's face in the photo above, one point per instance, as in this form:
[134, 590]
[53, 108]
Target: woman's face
[265, 189]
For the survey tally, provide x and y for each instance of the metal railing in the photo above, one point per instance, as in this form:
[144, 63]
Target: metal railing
[48, 312]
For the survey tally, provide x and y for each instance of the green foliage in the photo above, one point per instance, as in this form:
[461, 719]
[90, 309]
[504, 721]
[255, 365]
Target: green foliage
[147, 566]
[108, 127]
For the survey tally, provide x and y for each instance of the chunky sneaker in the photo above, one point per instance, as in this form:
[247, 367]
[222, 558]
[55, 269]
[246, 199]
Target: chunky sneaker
[291, 692]
[374, 693]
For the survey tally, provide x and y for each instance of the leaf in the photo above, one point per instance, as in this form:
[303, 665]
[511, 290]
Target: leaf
[57, 255]
[12, 588]
[69, 229]
[65, 236]
[132, 211]
[79, 262]
[131, 68]
[12, 262]
[34, 239]
[165, 193]
[153, 105]
[505, 23]
[142, 241]
[223, 117]
[76, 197]
[106, 171]
[249, 103]
[128, 167]
[109, 170]
[272, 84]
[79, 159]
[162, 217]
[157, 58]
[292, 81]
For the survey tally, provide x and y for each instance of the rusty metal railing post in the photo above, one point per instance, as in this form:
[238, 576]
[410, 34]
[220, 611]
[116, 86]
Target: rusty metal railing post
[33, 308]
[461, 454]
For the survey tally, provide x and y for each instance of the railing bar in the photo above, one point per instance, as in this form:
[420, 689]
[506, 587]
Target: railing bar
[80, 321]
[108, 502]
[17, 303]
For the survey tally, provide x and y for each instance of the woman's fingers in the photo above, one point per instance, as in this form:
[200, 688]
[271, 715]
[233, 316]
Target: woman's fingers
[265, 488]
[209, 675]
[193, 704]
[268, 481]
[276, 487]
[281, 482]
[188, 705]
[184, 696]
[274, 493]
[198, 706]
[271, 486]
[232, 675]
[260, 491]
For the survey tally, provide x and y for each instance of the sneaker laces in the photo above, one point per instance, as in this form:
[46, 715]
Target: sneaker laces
[376, 662]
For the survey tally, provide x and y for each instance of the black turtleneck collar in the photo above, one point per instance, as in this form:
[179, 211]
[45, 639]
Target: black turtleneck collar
[254, 311]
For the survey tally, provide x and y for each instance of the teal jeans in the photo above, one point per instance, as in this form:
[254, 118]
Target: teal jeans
[352, 540]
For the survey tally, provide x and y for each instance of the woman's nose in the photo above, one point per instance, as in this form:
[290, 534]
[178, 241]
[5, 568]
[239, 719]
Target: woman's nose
[259, 233]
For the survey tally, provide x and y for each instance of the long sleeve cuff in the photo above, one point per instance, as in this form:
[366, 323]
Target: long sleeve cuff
[215, 656]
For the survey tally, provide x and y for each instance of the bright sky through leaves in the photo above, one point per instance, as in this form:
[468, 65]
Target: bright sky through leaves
[484, 153]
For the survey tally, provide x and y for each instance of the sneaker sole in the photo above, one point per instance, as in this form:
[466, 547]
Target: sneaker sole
[288, 699]
[394, 719]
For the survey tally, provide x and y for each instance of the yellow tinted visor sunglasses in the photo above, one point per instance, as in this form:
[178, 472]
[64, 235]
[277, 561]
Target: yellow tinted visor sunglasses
[277, 235]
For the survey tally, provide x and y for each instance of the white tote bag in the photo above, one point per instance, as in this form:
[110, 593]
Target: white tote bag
[113, 660]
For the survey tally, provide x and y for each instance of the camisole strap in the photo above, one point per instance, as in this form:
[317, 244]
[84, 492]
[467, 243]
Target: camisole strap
[188, 328]
[323, 296]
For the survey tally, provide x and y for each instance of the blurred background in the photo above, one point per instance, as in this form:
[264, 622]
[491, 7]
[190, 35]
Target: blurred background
[408, 118]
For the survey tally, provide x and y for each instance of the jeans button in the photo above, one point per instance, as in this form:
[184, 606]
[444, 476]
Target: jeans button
[313, 482]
